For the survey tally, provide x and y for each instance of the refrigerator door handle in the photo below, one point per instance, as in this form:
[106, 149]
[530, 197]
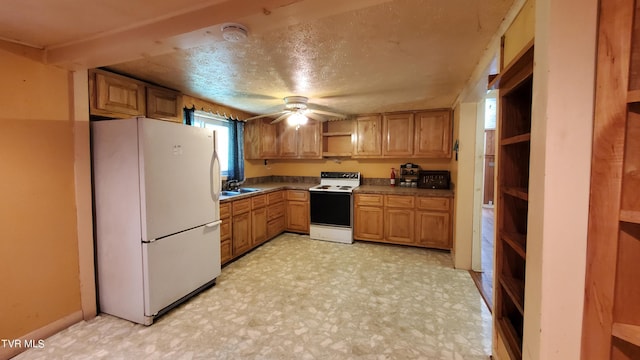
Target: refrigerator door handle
[213, 224]
[216, 186]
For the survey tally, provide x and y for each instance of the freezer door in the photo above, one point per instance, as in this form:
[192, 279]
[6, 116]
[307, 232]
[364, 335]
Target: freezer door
[177, 176]
[179, 264]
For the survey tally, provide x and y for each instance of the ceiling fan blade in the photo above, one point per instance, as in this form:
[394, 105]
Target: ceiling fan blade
[328, 113]
[266, 115]
[281, 117]
[314, 116]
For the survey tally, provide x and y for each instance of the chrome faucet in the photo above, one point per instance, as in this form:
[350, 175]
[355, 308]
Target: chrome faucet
[232, 185]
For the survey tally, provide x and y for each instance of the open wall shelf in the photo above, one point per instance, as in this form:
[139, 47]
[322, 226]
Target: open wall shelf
[515, 96]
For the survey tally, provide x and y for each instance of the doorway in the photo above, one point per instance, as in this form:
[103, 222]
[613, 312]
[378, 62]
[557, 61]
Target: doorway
[484, 277]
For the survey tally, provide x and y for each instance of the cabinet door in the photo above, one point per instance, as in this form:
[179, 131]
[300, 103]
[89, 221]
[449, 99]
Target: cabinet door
[258, 226]
[268, 140]
[368, 223]
[433, 134]
[288, 140]
[433, 229]
[116, 96]
[399, 225]
[241, 233]
[309, 143]
[226, 251]
[275, 227]
[298, 216]
[368, 136]
[260, 139]
[397, 135]
[164, 104]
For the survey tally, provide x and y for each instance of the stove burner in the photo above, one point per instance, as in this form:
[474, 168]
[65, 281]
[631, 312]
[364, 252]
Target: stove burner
[324, 187]
[345, 187]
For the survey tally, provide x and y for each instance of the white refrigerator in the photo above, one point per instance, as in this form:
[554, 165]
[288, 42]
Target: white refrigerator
[157, 215]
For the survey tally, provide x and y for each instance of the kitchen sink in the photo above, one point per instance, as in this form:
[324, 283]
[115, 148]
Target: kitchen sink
[238, 192]
[247, 190]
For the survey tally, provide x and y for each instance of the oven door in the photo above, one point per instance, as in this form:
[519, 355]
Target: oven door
[330, 208]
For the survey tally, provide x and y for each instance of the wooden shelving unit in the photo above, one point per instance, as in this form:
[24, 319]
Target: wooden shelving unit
[337, 138]
[514, 146]
[611, 324]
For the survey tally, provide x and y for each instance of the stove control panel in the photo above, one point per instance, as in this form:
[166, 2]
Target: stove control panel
[339, 175]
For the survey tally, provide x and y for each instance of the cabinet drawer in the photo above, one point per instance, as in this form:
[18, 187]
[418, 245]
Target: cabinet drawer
[275, 197]
[369, 199]
[297, 195]
[225, 229]
[241, 206]
[400, 201]
[433, 203]
[258, 201]
[225, 210]
[275, 211]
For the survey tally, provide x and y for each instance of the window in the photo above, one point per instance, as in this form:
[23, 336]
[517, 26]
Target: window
[221, 126]
[229, 137]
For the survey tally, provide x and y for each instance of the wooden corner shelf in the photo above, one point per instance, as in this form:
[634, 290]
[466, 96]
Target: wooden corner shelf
[337, 133]
[515, 289]
[518, 192]
[518, 139]
[335, 154]
[627, 332]
[633, 96]
[516, 241]
[630, 216]
[515, 98]
[510, 337]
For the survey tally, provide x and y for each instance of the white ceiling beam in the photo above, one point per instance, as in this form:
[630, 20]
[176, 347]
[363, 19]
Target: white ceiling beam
[154, 37]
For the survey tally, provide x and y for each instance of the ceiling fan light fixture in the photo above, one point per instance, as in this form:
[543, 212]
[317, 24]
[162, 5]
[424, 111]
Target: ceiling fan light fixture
[234, 32]
[297, 119]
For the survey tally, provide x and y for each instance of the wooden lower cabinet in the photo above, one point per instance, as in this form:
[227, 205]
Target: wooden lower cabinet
[398, 225]
[226, 247]
[241, 229]
[297, 217]
[241, 233]
[258, 226]
[369, 223]
[403, 219]
[433, 229]
[250, 222]
[276, 211]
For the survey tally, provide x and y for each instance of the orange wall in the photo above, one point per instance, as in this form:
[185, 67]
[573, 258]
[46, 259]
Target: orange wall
[38, 245]
[378, 168]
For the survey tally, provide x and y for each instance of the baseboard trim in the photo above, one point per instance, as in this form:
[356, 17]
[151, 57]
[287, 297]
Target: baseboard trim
[41, 334]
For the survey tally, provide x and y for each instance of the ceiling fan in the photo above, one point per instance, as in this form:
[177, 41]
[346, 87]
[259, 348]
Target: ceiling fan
[296, 112]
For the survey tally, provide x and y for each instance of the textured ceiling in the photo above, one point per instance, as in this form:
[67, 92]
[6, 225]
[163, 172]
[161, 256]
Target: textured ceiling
[354, 57]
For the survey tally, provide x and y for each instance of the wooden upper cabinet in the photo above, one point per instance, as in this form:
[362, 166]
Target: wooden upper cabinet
[260, 139]
[303, 142]
[368, 139]
[309, 140]
[288, 140]
[397, 135]
[164, 104]
[115, 96]
[432, 138]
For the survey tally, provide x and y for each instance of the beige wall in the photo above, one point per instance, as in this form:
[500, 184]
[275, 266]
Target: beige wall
[562, 122]
[38, 246]
[463, 223]
[519, 33]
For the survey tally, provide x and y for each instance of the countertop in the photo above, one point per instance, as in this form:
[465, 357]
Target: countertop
[362, 189]
[267, 188]
[398, 190]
